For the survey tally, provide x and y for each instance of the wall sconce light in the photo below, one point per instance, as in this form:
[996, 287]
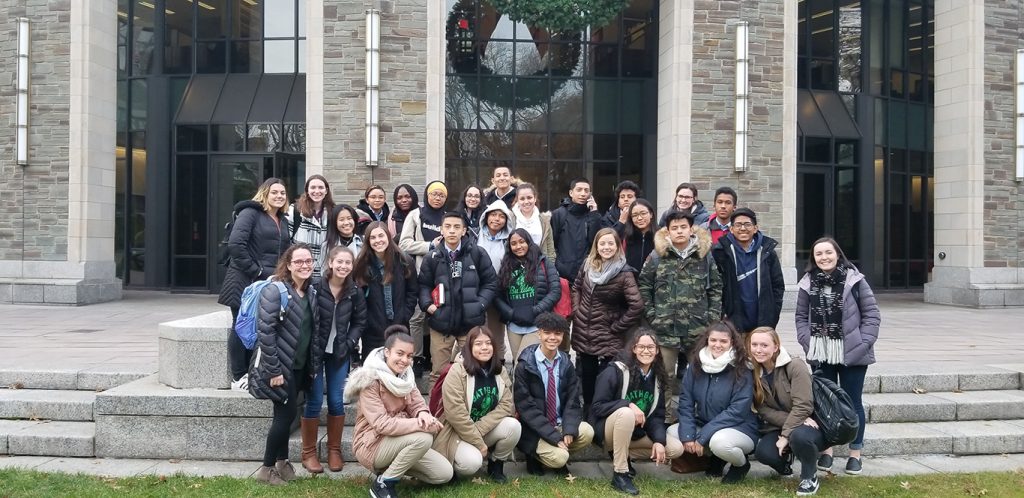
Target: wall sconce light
[1019, 70]
[372, 87]
[742, 95]
[21, 149]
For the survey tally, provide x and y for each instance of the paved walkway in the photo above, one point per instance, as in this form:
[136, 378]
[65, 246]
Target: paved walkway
[122, 335]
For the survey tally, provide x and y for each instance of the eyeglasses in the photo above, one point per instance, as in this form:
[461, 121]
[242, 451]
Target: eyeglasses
[437, 194]
[688, 197]
[302, 262]
[646, 347]
[640, 214]
[744, 225]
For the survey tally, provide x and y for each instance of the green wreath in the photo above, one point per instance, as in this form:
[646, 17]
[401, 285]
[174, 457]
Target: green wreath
[561, 15]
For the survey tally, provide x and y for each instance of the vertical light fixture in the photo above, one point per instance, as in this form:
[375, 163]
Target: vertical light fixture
[742, 95]
[372, 86]
[1019, 72]
[21, 149]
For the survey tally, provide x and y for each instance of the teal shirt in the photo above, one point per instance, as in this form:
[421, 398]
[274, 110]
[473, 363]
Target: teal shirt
[305, 334]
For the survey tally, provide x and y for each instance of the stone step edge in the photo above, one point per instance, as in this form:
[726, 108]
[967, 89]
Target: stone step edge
[944, 406]
[47, 404]
[47, 438]
[96, 378]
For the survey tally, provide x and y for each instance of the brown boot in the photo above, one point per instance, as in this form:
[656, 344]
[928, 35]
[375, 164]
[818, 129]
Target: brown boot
[310, 460]
[335, 424]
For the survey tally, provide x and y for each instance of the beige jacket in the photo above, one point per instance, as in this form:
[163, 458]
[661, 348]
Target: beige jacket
[457, 398]
[381, 414]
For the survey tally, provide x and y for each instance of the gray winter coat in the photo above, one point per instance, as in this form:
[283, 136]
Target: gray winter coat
[861, 318]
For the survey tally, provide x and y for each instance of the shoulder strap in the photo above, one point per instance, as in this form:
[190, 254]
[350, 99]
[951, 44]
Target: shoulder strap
[625, 378]
[284, 299]
[296, 220]
[855, 291]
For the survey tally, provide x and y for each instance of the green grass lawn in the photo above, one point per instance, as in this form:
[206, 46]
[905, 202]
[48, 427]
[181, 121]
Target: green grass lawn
[20, 483]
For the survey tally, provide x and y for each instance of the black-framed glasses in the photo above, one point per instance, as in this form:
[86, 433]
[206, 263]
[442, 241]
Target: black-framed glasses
[302, 262]
[647, 347]
[744, 225]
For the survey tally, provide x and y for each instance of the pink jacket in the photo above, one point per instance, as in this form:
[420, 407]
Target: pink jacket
[383, 414]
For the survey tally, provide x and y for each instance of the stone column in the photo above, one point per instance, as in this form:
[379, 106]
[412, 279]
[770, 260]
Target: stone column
[675, 67]
[314, 86]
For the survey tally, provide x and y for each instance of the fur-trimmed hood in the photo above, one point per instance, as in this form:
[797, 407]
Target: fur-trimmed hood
[661, 242]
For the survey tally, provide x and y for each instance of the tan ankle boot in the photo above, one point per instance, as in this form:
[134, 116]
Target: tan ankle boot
[269, 476]
[335, 425]
[310, 459]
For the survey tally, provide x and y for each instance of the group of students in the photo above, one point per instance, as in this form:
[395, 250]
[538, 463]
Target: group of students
[681, 310]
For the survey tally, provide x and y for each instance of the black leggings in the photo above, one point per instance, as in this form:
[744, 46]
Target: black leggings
[805, 442]
[587, 367]
[238, 356]
[281, 426]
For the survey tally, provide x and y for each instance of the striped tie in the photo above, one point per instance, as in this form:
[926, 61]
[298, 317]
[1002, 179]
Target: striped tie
[552, 396]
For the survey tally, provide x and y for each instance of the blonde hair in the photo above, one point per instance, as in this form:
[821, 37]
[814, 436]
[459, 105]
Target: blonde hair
[263, 194]
[759, 388]
[594, 259]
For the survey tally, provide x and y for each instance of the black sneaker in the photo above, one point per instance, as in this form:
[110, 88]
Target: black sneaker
[736, 474]
[623, 482]
[715, 467]
[632, 470]
[496, 471]
[533, 466]
[380, 488]
[787, 464]
[807, 487]
[853, 466]
[825, 462]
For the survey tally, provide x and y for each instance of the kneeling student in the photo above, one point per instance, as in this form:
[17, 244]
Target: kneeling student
[394, 429]
[547, 396]
[629, 410]
[478, 417]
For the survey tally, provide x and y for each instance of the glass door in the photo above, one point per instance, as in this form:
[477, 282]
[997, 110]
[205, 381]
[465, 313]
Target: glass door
[232, 179]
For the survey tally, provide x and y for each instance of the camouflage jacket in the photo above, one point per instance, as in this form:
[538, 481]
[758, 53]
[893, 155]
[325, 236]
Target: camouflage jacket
[682, 296]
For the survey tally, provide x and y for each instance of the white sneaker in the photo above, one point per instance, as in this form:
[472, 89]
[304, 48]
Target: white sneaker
[241, 385]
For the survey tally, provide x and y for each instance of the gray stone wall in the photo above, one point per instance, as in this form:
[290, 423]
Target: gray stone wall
[1004, 196]
[403, 96]
[713, 94]
[34, 199]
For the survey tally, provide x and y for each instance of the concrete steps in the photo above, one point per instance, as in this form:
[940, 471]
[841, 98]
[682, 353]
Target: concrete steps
[944, 406]
[47, 438]
[45, 404]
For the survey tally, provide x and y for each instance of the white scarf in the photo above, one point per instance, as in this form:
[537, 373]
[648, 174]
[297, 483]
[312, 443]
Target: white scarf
[713, 365]
[399, 385]
[531, 224]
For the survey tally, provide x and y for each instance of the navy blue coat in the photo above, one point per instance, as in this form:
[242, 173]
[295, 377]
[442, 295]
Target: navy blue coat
[709, 403]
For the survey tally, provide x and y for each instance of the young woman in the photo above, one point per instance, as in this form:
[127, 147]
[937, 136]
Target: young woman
[308, 219]
[715, 401]
[686, 201]
[288, 352]
[629, 410]
[406, 201]
[537, 224]
[372, 207]
[837, 322]
[343, 308]
[527, 286]
[342, 230]
[606, 304]
[387, 278]
[638, 233]
[479, 417]
[394, 429]
[784, 402]
[258, 237]
[470, 206]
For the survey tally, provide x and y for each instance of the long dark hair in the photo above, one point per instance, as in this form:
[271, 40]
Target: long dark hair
[474, 367]
[840, 255]
[282, 273]
[738, 346]
[392, 256]
[630, 360]
[306, 204]
[630, 228]
[510, 263]
[398, 214]
[461, 206]
[333, 235]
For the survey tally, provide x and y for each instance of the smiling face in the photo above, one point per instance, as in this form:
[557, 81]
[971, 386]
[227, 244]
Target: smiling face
[685, 198]
[502, 178]
[316, 190]
[679, 233]
[482, 348]
[277, 197]
[762, 347]
[341, 265]
[641, 217]
[452, 229]
[526, 199]
[496, 221]
[646, 351]
[301, 265]
[378, 241]
[549, 341]
[606, 247]
[626, 197]
[580, 192]
[473, 197]
[743, 229]
[375, 198]
[825, 256]
[399, 356]
[403, 201]
[719, 343]
[346, 223]
[518, 245]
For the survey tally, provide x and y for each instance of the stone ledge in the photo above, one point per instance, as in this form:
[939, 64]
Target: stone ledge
[193, 351]
[36, 404]
[54, 439]
[59, 291]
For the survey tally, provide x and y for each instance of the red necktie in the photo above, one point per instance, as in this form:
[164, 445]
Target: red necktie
[552, 396]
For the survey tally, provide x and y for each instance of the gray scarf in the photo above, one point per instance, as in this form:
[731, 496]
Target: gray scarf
[608, 271]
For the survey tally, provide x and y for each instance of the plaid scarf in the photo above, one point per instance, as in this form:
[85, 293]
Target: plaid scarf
[826, 316]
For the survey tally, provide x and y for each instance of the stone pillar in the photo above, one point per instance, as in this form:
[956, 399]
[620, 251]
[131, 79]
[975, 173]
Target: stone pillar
[977, 231]
[675, 67]
[314, 86]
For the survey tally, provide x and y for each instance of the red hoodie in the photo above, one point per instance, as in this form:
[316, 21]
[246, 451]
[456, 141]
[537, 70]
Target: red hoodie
[717, 230]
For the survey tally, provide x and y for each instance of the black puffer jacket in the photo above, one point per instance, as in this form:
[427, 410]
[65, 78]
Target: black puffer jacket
[255, 244]
[529, 395]
[603, 314]
[638, 246]
[466, 298]
[770, 284]
[404, 293]
[573, 227]
[608, 398]
[348, 313]
[277, 340]
[547, 291]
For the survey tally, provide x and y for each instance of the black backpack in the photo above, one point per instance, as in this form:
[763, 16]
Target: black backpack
[223, 255]
[833, 411]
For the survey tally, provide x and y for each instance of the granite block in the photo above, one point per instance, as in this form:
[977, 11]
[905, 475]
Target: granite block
[46, 404]
[221, 438]
[40, 379]
[74, 439]
[982, 437]
[102, 378]
[986, 405]
[147, 396]
[982, 378]
[901, 407]
[8, 427]
[904, 439]
[186, 364]
[141, 437]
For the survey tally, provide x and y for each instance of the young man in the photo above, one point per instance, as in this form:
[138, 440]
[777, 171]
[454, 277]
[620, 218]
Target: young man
[682, 293]
[725, 204]
[459, 273]
[754, 286]
[617, 215]
[573, 226]
[421, 231]
[547, 397]
[496, 225]
[502, 189]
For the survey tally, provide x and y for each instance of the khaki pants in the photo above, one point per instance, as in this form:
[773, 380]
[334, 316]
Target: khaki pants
[728, 444]
[618, 432]
[417, 324]
[497, 330]
[411, 455]
[443, 349]
[554, 457]
[501, 441]
[518, 342]
[669, 357]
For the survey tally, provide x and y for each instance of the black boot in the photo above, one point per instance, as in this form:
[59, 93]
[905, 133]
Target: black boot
[623, 482]
[629, 462]
[736, 474]
[496, 471]
[533, 466]
[715, 467]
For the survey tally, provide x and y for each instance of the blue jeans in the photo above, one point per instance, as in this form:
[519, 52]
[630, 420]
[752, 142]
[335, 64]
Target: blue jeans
[337, 375]
[851, 379]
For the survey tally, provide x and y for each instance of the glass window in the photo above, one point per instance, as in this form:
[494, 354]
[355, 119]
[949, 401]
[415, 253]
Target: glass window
[293, 139]
[847, 209]
[849, 47]
[846, 152]
[139, 106]
[279, 16]
[823, 74]
[211, 19]
[190, 237]
[142, 38]
[264, 137]
[137, 210]
[246, 20]
[822, 34]
[302, 18]
[302, 57]
[211, 56]
[228, 137]
[279, 56]
[191, 138]
[817, 150]
[246, 56]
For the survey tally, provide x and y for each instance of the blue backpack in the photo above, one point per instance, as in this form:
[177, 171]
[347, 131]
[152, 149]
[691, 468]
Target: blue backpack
[249, 310]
